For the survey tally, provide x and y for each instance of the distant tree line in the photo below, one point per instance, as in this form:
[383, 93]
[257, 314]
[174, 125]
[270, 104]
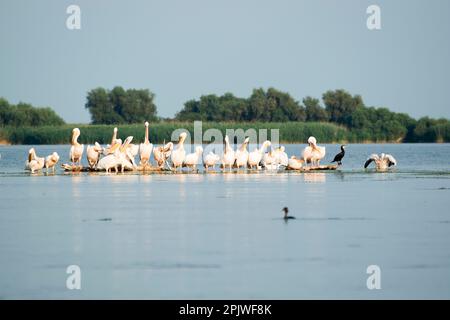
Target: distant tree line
[340, 107]
[119, 106]
[24, 114]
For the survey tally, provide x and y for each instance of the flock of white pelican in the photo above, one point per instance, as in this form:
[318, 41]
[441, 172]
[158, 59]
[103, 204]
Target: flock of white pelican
[120, 155]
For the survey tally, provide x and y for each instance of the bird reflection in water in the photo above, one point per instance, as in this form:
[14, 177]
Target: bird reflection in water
[315, 177]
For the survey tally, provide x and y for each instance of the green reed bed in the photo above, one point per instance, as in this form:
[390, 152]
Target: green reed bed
[289, 132]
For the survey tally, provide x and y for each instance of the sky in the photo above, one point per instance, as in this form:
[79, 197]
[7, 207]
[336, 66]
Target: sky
[182, 49]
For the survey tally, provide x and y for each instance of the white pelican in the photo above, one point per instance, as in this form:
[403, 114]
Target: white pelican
[134, 150]
[179, 154]
[107, 150]
[281, 156]
[294, 163]
[34, 163]
[255, 157]
[162, 153]
[76, 151]
[51, 161]
[242, 154]
[228, 155]
[269, 159]
[210, 160]
[120, 156]
[145, 149]
[110, 161]
[125, 158]
[192, 159]
[382, 162]
[93, 154]
[275, 158]
[313, 153]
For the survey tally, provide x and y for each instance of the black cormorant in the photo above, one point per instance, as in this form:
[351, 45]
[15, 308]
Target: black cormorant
[338, 158]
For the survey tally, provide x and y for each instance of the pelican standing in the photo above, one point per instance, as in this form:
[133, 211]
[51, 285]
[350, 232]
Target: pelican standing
[210, 160]
[242, 154]
[145, 149]
[228, 158]
[192, 159]
[313, 153]
[382, 162]
[179, 154]
[255, 157]
[93, 154]
[51, 161]
[34, 163]
[76, 151]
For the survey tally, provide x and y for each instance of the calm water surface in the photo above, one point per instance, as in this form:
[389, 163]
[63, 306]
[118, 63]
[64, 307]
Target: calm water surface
[214, 236]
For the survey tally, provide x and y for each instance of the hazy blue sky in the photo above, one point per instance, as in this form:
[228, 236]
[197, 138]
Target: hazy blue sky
[181, 49]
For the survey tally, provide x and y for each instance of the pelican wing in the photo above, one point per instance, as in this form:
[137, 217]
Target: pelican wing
[373, 157]
[390, 160]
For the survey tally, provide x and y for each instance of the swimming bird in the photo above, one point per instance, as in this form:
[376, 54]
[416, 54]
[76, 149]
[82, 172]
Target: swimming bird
[255, 157]
[34, 163]
[242, 154]
[76, 151]
[286, 211]
[162, 154]
[179, 154]
[93, 154]
[338, 158]
[313, 153]
[51, 161]
[145, 149]
[210, 160]
[382, 162]
[192, 159]
[228, 158]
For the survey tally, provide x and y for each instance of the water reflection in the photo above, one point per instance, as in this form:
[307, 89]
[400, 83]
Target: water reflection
[315, 177]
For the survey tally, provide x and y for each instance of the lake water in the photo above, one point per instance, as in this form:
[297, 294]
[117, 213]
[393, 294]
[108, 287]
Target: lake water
[221, 236]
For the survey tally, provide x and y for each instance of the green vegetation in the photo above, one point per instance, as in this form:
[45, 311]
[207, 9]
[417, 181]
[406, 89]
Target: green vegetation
[342, 118]
[24, 114]
[162, 131]
[268, 106]
[119, 106]
[340, 108]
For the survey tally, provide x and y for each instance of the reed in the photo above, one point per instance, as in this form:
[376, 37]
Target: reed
[289, 132]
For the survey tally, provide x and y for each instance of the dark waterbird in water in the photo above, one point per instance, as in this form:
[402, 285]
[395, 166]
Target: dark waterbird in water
[286, 211]
[338, 158]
